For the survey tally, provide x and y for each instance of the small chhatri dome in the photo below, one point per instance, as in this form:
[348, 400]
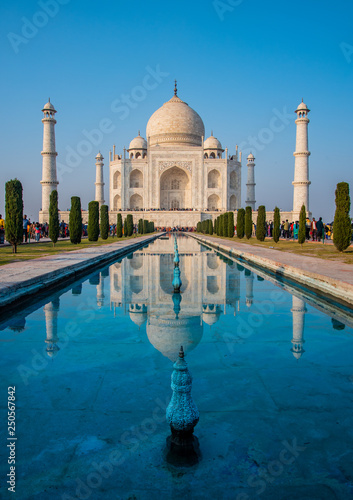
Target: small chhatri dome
[302, 107]
[251, 157]
[175, 123]
[99, 156]
[212, 143]
[49, 106]
[138, 143]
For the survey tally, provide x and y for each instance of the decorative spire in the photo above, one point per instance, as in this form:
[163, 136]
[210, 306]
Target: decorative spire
[139, 133]
[181, 353]
[211, 133]
[176, 88]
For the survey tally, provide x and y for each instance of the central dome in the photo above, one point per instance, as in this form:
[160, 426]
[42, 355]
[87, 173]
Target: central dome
[175, 123]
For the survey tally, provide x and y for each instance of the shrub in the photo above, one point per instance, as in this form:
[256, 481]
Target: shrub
[261, 223]
[302, 223]
[93, 221]
[276, 225]
[13, 213]
[54, 226]
[119, 226]
[241, 223]
[130, 225]
[104, 225]
[75, 220]
[248, 222]
[230, 224]
[342, 229]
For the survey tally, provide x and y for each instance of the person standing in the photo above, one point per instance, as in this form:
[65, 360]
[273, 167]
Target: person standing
[320, 229]
[2, 230]
[25, 225]
[314, 230]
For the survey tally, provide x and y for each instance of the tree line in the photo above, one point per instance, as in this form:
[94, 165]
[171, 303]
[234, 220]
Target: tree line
[224, 224]
[98, 219]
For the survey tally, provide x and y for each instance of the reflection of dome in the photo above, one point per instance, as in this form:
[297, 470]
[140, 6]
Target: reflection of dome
[138, 143]
[211, 314]
[138, 314]
[175, 123]
[168, 334]
[52, 349]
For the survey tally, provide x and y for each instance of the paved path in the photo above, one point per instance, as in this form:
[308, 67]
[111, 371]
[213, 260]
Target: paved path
[20, 279]
[332, 278]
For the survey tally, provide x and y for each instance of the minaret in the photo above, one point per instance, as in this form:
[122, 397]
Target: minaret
[301, 170]
[250, 199]
[51, 311]
[49, 180]
[99, 180]
[249, 287]
[298, 312]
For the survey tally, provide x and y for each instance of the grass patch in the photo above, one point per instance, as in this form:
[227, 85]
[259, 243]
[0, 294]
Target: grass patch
[323, 251]
[36, 250]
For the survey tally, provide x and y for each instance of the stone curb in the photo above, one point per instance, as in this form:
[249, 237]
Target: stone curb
[336, 289]
[11, 293]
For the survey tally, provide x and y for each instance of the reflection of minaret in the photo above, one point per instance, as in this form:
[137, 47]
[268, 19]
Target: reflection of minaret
[249, 285]
[51, 323]
[100, 291]
[298, 311]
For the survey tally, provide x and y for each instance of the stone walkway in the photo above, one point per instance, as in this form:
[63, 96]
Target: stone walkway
[331, 278]
[19, 279]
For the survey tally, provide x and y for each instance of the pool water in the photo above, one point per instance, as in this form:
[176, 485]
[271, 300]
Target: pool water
[272, 378]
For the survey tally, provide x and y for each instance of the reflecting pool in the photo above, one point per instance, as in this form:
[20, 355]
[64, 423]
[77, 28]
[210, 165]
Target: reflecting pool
[272, 379]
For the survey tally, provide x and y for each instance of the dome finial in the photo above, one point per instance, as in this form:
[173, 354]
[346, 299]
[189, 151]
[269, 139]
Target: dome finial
[211, 133]
[176, 88]
[302, 99]
[181, 353]
[139, 133]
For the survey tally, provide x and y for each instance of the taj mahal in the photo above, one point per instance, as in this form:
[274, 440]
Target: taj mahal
[175, 176]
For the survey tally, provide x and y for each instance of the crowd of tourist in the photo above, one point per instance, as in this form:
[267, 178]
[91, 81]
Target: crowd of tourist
[314, 230]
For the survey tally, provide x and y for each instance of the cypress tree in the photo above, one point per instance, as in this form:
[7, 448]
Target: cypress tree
[93, 221]
[104, 225]
[13, 213]
[198, 227]
[248, 222]
[241, 223]
[130, 225]
[119, 226]
[75, 220]
[210, 226]
[225, 224]
[302, 222]
[54, 217]
[276, 225]
[342, 229]
[261, 223]
[230, 225]
[145, 227]
[215, 226]
[140, 226]
[152, 226]
[125, 228]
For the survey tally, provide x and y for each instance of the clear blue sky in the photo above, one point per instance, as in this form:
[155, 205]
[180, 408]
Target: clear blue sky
[234, 69]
